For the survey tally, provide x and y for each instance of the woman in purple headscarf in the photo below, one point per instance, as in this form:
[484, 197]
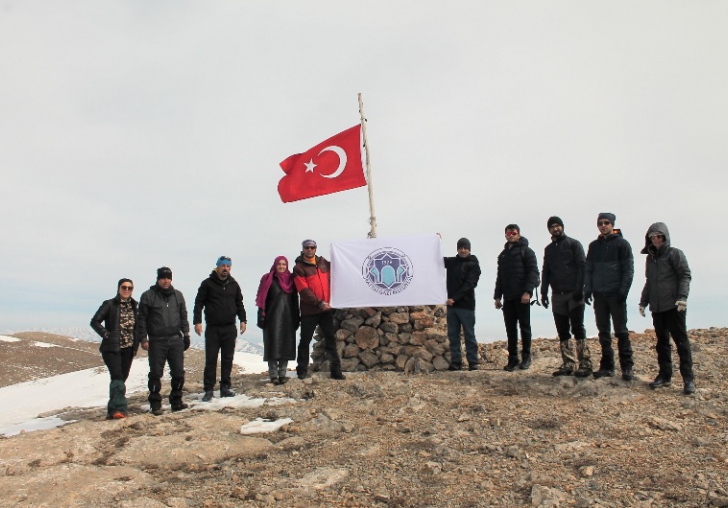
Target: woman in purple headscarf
[278, 316]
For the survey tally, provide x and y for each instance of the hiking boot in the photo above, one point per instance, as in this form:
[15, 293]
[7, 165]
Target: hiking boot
[689, 387]
[583, 372]
[302, 374]
[336, 374]
[474, 366]
[525, 364]
[180, 406]
[118, 415]
[563, 371]
[225, 391]
[275, 380]
[282, 380]
[512, 364]
[454, 367]
[156, 411]
[628, 374]
[208, 396]
[660, 382]
[603, 373]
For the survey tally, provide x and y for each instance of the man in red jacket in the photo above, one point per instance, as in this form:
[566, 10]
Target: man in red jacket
[311, 276]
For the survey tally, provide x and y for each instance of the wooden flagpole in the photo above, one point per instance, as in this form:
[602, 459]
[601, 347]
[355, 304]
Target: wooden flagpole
[372, 216]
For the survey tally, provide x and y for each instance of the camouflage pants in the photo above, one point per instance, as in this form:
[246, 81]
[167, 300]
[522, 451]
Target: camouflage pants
[575, 356]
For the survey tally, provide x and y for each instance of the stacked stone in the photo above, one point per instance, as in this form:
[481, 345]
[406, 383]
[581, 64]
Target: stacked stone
[409, 339]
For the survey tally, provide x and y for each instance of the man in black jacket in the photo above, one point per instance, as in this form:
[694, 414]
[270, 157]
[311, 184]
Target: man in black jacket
[563, 270]
[463, 272]
[608, 277]
[516, 280]
[164, 331]
[222, 299]
[666, 292]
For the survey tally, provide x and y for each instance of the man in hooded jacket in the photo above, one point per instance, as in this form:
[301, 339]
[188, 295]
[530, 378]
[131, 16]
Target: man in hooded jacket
[515, 283]
[221, 297]
[608, 278]
[666, 293]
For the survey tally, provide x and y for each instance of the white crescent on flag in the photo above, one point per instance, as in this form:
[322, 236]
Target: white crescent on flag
[342, 160]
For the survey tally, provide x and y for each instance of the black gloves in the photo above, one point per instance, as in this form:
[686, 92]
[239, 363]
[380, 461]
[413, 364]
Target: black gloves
[578, 296]
[545, 301]
[261, 319]
[187, 342]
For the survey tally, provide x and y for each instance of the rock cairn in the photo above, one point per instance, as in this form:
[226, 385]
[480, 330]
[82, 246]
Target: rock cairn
[409, 339]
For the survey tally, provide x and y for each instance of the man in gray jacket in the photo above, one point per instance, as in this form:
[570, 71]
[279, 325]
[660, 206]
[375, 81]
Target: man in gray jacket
[165, 332]
[666, 292]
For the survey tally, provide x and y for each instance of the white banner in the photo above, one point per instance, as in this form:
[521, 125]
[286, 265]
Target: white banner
[388, 272]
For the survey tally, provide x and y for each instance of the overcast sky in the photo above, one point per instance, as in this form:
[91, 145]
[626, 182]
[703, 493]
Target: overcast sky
[136, 134]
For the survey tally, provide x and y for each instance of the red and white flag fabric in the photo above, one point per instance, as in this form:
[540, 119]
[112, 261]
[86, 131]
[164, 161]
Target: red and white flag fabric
[332, 166]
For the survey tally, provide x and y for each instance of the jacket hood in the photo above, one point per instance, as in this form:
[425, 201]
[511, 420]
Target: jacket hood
[522, 242]
[301, 259]
[214, 277]
[657, 227]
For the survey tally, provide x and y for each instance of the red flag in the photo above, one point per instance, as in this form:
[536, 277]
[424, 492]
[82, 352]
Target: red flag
[331, 166]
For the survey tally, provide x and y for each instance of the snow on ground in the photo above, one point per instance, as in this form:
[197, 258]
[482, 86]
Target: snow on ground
[6, 338]
[23, 402]
[260, 426]
[43, 344]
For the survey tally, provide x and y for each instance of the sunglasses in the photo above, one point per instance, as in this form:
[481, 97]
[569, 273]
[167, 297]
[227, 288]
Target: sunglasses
[511, 233]
[224, 258]
[310, 247]
[604, 223]
[126, 288]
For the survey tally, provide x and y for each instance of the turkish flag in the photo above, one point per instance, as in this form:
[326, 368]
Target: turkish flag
[331, 166]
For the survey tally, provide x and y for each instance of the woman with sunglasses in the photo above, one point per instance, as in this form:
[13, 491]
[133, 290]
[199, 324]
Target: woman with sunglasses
[278, 316]
[118, 343]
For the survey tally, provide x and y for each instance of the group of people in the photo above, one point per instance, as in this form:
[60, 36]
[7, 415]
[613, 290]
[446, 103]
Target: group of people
[288, 299]
[602, 278]
[159, 323]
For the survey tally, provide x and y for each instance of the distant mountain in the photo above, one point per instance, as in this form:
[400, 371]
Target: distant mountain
[87, 334]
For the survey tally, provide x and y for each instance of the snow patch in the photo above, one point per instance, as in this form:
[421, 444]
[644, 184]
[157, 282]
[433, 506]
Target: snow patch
[6, 338]
[260, 426]
[43, 344]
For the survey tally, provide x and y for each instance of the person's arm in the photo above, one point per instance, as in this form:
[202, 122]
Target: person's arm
[531, 271]
[184, 321]
[588, 274]
[200, 300]
[580, 261]
[684, 275]
[142, 317]
[626, 260]
[545, 276]
[99, 318]
[242, 316]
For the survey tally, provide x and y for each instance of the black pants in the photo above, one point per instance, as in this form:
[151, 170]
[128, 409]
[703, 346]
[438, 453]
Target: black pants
[517, 314]
[672, 323]
[166, 350]
[119, 363]
[308, 325]
[604, 309]
[219, 340]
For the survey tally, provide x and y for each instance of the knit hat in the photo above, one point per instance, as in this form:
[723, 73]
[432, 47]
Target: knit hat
[307, 243]
[609, 216]
[554, 220]
[121, 281]
[223, 260]
[464, 243]
[164, 273]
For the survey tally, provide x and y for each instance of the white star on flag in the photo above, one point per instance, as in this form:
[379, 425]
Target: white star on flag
[309, 166]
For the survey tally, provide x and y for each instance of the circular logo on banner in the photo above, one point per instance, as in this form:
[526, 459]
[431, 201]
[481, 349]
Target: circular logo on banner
[387, 271]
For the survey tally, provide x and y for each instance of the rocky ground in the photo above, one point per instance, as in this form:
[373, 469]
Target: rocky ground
[481, 438]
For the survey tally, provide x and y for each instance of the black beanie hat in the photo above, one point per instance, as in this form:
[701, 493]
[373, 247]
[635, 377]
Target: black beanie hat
[464, 243]
[164, 273]
[609, 216]
[121, 281]
[554, 220]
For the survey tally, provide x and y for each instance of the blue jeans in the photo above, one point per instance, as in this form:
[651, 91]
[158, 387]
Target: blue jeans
[465, 318]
